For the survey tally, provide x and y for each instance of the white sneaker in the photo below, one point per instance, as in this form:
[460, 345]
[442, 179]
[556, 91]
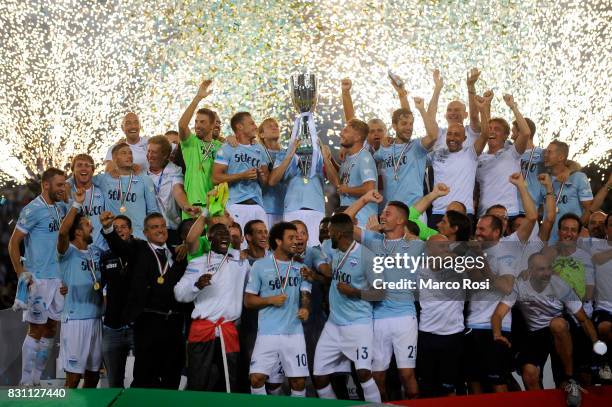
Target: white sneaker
[574, 393]
[605, 373]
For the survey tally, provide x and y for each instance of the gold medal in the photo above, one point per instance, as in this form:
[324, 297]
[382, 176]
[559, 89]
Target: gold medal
[96, 286]
[160, 280]
[305, 180]
[122, 209]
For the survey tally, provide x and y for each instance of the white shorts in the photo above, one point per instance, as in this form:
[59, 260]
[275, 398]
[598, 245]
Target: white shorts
[278, 374]
[44, 301]
[272, 219]
[339, 345]
[395, 336]
[290, 349]
[312, 219]
[242, 214]
[81, 345]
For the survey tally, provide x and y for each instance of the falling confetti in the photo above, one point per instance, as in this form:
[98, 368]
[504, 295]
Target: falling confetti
[71, 69]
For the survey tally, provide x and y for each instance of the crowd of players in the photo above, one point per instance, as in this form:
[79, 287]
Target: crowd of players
[270, 291]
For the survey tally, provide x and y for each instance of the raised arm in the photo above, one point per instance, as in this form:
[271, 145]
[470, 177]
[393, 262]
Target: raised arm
[531, 212]
[278, 173]
[63, 241]
[483, 105]
[432, 107]
[183, 124]
[330, 170]
[472, 77]
[524, 132]
[550, 207]
[402, 93]
[117, 245]
[439, 190]
[196, 230]
[370, 196]
[600, 196]
[431, 127]
[347, 100]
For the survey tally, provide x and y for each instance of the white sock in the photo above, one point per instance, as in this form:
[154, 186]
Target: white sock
[326, 392]
[277, 392]
[259, 390]
[298, 393]
[28, 357]
[370, 391]
[42, 356]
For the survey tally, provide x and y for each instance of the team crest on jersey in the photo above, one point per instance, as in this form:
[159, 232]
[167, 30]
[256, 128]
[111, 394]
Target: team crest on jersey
[353, 262]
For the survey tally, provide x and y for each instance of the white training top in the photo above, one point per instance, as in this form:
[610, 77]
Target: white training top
[223, 297]
[441, 310]
[492, 174]
[539, 308]
[458, 171]
[603, 272]
[502, 261]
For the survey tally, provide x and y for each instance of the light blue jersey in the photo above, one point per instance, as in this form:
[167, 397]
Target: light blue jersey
[240, 159]
[93, 206]
[326, 248]
[349, 269]
[273, 196]
[575, 190]
[300, 194]
[314, 257]
[536, 156]
[397, 302]
[407, 186]
[40, 223]
[78, 269]
[265, 282]
[356, 170]
[138, 199]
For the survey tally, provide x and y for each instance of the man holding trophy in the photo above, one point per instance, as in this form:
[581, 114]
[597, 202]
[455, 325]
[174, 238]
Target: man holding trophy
[301, 164]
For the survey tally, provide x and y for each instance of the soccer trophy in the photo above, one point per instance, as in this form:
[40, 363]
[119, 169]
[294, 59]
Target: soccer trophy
[304, 97]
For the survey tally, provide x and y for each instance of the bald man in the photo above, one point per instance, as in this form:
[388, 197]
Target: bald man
[130, 125]
[457, 112]
[455, 165]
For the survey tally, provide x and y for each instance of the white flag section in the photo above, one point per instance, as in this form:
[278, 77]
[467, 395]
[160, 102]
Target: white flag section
[312, 131]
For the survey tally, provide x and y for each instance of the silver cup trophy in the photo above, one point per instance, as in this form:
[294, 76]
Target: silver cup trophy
[304, 97]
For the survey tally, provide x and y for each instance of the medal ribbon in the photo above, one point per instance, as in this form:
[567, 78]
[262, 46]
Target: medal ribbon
[345, 176]
[345, 257]
[91, 199]
[559, 195]
[396, 165]
[529, 163]
[279, 275]
[220, 264]
[210, 146]
[394, 246]
[91, 265]
[122, 197]
[159, 267]
[58, 218]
